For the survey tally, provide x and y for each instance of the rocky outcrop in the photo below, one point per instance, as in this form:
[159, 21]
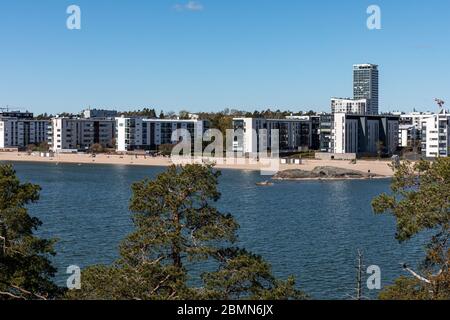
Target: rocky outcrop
[322, 173]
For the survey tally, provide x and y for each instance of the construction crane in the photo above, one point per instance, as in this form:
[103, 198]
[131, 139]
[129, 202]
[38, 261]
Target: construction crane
[440, 103]
[10, 108]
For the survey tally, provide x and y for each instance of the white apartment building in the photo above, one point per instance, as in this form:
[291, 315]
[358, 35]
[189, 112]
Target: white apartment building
[147, 134]
[349, 106]
[295, 134]
[409, 135]
[416, 119]
[98, 113]
[364, 134]
[77, 134]
[436, 135]
[19, 132]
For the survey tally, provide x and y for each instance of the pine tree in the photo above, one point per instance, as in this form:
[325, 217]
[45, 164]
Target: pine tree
[420, 201]
[176, 227]
[25, 269]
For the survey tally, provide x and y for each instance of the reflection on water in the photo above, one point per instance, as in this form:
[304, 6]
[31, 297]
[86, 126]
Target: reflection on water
[309, 229]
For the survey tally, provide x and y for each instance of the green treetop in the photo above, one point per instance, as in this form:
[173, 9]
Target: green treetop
[177, 227]
[420, 201]
[25, 268]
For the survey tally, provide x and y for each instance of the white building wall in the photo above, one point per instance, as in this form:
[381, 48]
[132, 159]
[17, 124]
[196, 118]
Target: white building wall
[432, 137]
[436, 138]
[131, 134]
[338, 133]
[2, 134]
[349, 106]
[121, 146]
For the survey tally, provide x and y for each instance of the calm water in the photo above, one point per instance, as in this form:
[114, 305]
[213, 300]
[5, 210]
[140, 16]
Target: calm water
[309, 229]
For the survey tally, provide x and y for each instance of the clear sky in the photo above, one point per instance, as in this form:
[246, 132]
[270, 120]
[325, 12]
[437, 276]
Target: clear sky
[213, 54]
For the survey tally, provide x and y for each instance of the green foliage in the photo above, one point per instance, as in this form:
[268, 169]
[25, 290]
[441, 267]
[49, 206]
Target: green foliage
[25, 268]
[42, 147]
[166, 149]
[96, 148]
[44, 116]
[420, 201]
[223, 120]
[243, 275]
[148, 280]
[145, 112]
[406, 289]
[177, 226]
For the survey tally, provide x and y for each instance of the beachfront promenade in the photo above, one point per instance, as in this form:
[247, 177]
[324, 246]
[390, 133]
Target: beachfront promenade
[376, 167]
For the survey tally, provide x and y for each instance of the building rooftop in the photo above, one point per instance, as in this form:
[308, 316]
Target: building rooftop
[365, 66]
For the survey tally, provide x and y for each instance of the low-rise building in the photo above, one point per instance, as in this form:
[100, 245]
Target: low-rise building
[415, 118]
[80, 134]
[349, 106]
[325, 131]
[436, 135]
[295, 134]
[99, 113]
[365, 134]
[18, 130]
[148, 134]
[409, 136]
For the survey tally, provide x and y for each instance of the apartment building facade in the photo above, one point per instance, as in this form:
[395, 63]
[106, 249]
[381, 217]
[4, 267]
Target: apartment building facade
[148, 134]
[436, 135]
[99, 113]
[18, 130]
[365, 134]
[366, 86]
[78, 134]
[295, 134]
[325, 131]
[350, 106]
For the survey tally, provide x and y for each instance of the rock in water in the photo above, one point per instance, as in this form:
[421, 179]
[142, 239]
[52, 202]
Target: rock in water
[322, 173]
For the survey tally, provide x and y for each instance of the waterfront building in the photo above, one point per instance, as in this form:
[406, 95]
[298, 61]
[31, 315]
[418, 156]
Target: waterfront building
[19, 129]
[350, 106]
[315, 132]
[409, 136]
[364, 135]
[99, 113]
[426, 130]
[148, 134]
[16, 114]
[365, 86]
[415, 118]
[79, 134]
[295, 134]
[325, 130]
[436, 135]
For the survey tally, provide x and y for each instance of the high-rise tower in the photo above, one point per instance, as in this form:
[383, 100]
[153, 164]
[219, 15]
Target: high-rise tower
[365, 85]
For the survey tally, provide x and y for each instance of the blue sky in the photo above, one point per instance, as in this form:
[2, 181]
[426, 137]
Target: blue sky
[245, 54]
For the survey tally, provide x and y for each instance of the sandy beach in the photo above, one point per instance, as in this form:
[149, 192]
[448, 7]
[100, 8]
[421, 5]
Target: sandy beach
[375, 166]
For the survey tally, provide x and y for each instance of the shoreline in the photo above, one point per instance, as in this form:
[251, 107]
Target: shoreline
[379, 168]
[330, 179]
